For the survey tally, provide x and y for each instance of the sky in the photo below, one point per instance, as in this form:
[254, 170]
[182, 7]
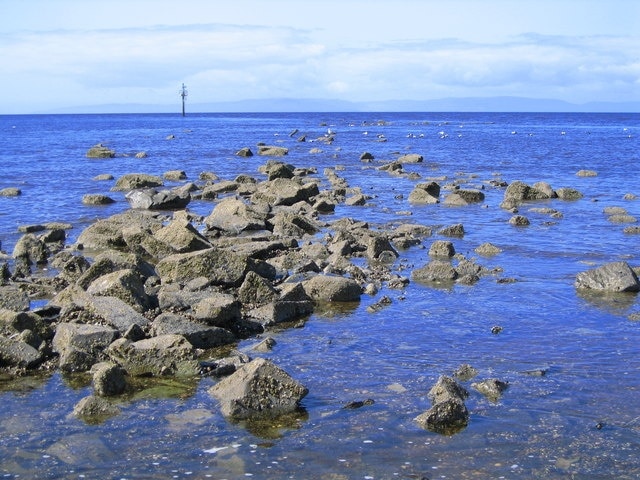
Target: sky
[67, 53]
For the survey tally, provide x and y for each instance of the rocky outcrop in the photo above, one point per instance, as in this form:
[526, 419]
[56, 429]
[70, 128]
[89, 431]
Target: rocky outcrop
[611, 277]
[258, 388]
[100, 151]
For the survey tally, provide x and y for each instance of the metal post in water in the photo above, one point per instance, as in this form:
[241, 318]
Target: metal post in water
[183, 94]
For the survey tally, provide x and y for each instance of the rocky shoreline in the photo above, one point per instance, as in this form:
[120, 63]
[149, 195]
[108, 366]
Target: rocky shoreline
[157, 291]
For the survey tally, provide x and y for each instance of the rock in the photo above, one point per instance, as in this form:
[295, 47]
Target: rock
[292, 304]
[244, 152]
[117, 313]
[379, 247]
[258, 388]
[132, 181]
[366, 156]
[265, 345]
[219, 310]
[611, 277]
[95, 410]
[103, 177]
[465, 372]
[442, 249]
[19, 321]
[586, 173]
[436, 271]
[107, 233]
[12, 298]
[446, 388]
[622, 219]
[108, 379]
[141, 155]
[100, 151]
[491, 388]
[272, 151]
[156, 356]
[256, 290]
[567, 193]
[518, 192]
[235, 216]
[31, 250]
[10, 192]
[487, 250]
[175, 175]
[16, 353]
[285, 191]
[224, 366]
[125, 285]
[463, 197]
[111, 261]
[97, 199]
[425, 193]
[519, 221]
[221, 266]
[182, 237]
[456, 230]
[81, 345]
[199, 335]
[328, 288]
[446, 417]
[410, 158]
[152, 199]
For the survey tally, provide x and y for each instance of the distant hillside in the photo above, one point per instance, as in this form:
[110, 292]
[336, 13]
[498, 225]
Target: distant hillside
[469, 104]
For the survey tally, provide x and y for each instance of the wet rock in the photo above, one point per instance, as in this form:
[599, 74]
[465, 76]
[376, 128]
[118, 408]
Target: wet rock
[125, 285]
[152, 199]
[611, 277]
[116, 313]
[108, 379]
[329, 288]
[292, 303]
[285, 191]
[586, 173]
[425, 193]
[456, 230]
[256, 389]
[95, 410]
[10, 192]
[436, 271]
[221, 266]
[19, 321]
[16, 353]
[244, 152]
[103, 177]
[256, 290]
[272, 151]
[97, 199]
[518, 192]
[447, 417]
[288, 224]
[107, 233]
[12, 298]
[519, 221]
[30, 250]
[491, 388]
[462, 197]
[133, 181]
[224, 366]
[355, 404]
[175, 175]
[182, 237]
[567, 193]
[265, 345]
[81, 346]
[442, 248]
[366, 156]
[235, 216]
[487, 250]
[410, 158]
[218, 309]
[156, 356]
[198, 334]
[446, 388]
[465, 372]
[100, 151]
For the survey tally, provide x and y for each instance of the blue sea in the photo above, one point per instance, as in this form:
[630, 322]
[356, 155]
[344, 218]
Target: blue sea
[581, 419]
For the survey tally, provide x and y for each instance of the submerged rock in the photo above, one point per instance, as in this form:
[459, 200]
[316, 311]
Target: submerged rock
[100, 151]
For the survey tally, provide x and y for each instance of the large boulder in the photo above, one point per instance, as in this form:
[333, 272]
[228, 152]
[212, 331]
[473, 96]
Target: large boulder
[611, 277]
[108, 233]
[272, 151]
[218, 310]
[464, 197]
[12, 298]
[448, 413]
[518, 192]
[258, 388]
[292, 304]
[425, 193]
[436, 271]
[16, 353]
[116, 313]
[100, 151]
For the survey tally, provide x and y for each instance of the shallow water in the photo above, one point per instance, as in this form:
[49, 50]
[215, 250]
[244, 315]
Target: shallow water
[579, 420]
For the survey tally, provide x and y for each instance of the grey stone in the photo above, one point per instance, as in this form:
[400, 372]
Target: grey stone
[611, 277]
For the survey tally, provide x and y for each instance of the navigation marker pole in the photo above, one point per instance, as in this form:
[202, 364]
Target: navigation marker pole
[183, 94]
